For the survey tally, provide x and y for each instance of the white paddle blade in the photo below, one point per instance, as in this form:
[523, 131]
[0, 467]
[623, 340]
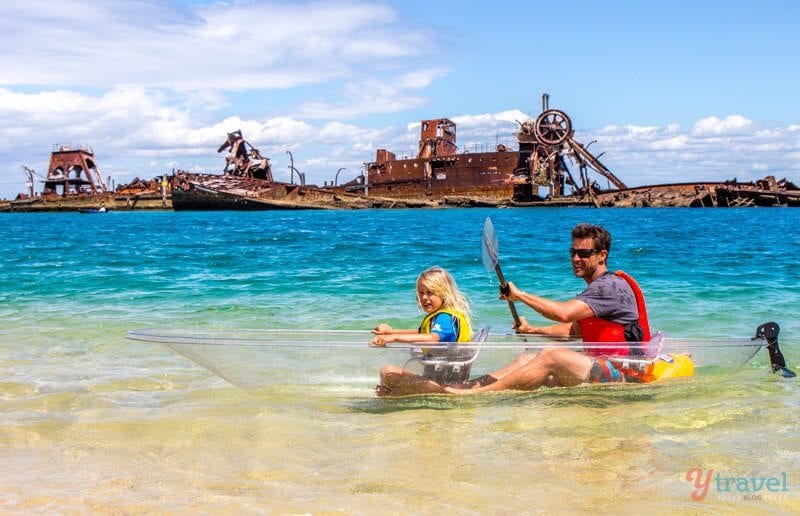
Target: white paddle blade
[489, 245]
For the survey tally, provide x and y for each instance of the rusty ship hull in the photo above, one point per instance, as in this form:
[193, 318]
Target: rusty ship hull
[220, 192]
[537, 174]
[203, 194]
[480, 175]
[110, 202]
[766, 192]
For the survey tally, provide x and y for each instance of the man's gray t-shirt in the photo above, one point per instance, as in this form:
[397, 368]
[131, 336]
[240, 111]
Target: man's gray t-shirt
[611, 298]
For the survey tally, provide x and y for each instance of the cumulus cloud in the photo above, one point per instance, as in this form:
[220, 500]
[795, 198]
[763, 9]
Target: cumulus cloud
[678, 142]
[713, 126]
[713, 149]
[137, 133]
[484, 120]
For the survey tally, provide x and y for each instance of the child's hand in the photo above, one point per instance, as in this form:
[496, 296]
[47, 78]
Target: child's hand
[382, 329]
[379, 341]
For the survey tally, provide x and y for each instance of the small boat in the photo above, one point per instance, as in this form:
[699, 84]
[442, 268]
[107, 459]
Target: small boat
[101, 209]
[246, 358]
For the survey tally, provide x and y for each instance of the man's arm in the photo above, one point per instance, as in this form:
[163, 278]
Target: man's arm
[553, 330]
[560, 311]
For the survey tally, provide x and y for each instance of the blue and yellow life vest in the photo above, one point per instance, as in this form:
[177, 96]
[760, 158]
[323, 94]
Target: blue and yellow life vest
[460, 324]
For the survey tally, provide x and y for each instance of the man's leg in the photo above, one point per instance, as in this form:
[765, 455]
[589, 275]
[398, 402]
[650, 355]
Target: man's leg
[552, 366]
[518, 362]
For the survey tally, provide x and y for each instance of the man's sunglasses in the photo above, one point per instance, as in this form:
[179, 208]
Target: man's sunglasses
[582, 253]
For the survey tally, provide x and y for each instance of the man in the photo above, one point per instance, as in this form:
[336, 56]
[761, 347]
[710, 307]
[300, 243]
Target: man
[608, 310]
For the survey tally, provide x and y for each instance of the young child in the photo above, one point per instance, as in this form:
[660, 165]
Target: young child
[447, 319]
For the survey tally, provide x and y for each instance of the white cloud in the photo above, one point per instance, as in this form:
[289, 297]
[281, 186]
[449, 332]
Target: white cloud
[490, 119]
[354, 58]
[641, 131]
[234, 46]
[713, 126]
[336, 131]
[678, 142]
[712, 150]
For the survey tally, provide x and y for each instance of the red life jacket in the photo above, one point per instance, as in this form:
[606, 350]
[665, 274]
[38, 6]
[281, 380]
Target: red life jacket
[595, 329]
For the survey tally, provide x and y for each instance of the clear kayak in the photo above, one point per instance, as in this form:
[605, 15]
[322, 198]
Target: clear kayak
[247, 358]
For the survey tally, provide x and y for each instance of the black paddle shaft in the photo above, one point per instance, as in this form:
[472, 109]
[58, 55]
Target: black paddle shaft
[504, 288]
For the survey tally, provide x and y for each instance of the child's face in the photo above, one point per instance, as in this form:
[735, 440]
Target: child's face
[429, 301]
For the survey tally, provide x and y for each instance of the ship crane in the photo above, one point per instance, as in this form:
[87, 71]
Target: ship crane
[554, 128]
[29, 183]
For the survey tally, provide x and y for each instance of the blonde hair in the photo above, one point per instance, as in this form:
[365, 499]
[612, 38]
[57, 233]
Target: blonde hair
[441, 283]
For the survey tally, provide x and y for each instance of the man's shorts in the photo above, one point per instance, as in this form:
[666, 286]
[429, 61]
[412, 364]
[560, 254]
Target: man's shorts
[604, 371]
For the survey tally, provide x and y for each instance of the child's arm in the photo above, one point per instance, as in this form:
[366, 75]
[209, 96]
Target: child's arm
[411, 336]
[384, 329]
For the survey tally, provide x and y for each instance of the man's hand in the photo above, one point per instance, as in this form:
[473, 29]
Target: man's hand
[509, 292]
[524, 326]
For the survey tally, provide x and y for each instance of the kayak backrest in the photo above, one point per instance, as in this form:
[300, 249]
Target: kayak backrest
[641, 306]
[655, 345]
[481, 335]
[451, 365]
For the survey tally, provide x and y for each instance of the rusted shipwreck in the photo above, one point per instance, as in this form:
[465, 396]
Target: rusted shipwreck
[73, 182]
[764, 192]
[549, 168]
[247, 183]
[536, 173]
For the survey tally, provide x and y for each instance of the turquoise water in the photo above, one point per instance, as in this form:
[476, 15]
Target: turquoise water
[94, 422]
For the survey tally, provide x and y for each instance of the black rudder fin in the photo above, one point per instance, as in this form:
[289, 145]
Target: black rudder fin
[769, 332]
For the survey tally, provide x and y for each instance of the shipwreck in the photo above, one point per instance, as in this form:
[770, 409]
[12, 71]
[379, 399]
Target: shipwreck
[73, 182]
[537, 172]
[549, 168]
[246, 183]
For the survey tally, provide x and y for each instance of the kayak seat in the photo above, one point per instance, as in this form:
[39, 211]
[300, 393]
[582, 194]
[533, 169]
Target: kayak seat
[453, 364]
[650, 351]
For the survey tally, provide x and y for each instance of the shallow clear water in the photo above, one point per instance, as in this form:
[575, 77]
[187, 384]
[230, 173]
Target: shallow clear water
[92, 421]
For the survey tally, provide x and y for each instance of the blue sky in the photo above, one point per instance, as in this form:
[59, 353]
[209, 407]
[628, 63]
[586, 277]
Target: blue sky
[671, 92]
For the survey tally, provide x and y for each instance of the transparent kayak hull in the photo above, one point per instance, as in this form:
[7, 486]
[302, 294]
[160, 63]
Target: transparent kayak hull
[255, 358]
